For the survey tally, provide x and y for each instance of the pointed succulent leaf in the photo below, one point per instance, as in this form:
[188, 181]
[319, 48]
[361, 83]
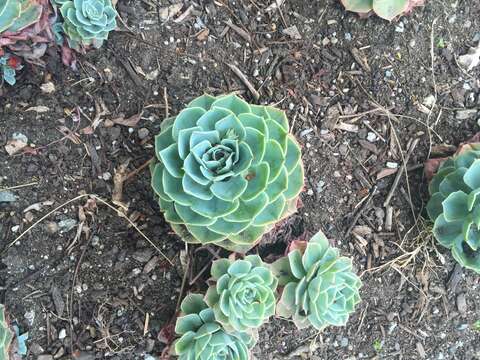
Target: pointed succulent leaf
[281, 270]
[435, 205]
[386, 9]
[455, 206]
[359, 6]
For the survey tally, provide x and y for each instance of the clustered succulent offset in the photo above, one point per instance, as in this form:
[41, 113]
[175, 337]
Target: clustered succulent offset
[454, 205]
[320, 288]
[243, 293]
[386, 9]
[227, 171]
[87, 22]
[6, 335]
[202, 337]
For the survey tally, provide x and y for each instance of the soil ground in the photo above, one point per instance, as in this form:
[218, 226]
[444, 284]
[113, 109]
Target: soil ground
[354, 90]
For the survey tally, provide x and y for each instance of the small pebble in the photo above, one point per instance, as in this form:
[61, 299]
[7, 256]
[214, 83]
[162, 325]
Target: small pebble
[143, 133]
[371, 137]
[462, 303]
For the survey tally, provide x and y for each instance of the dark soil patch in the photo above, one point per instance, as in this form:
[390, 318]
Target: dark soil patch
[409, 308]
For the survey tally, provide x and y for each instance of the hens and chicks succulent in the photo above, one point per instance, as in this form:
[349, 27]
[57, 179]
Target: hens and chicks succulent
[454, 205]
[29, 27]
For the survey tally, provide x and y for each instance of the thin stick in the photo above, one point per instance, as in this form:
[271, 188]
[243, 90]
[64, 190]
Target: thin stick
[400, 172]
[373, 192]
[184, 283]
[19, 186]
[74, 280]
[78, 198]
[165, 98]
[244, 79]
[137, 170]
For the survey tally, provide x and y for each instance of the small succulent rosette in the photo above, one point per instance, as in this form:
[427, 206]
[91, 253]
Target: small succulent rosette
[87, 22]
[202, 337]
[9, 65]
[386, 9]
[227, 171]
[454, 205]
[243, 293]
[320, 288]
[6, 335]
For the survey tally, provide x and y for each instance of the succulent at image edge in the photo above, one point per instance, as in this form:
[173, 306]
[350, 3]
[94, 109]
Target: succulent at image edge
[202, 337]
[243, 293]
[227, 171]
[319, 286]
[25, 28]
[6, 335]
[386, 9]
[454, 205]
[87, 22]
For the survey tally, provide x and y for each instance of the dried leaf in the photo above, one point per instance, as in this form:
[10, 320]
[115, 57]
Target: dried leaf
[14, 146]
[132, 121]
[385, 172]
[167, 12]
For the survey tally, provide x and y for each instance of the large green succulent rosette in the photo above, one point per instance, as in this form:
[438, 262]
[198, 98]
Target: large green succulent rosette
[202, 337]
[6, 335]
[87, 22]
[243, 293]
[320, 288]
[454, 205]
[227, 171]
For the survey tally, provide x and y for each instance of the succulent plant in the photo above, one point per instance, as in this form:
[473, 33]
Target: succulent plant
[6, 335]
[87, 22]
[227, 171]
[454, 205]
[25, 28]
[202, 337]
[9, 65]
[243, 295]
[320, 288]
[386, 9]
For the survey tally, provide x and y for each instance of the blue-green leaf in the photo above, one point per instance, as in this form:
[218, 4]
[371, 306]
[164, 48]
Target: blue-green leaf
[230, 189]
[186, 119]
[233, 103]
[205, 102]
[257, 177]
[172, 161]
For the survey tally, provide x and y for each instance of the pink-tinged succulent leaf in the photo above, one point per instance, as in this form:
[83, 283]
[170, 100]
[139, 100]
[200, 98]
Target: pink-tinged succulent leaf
[431, 165]
[412, 4]
[31, 34]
